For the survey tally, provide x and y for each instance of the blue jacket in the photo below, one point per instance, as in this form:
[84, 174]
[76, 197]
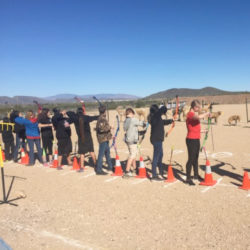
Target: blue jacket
[31, 129]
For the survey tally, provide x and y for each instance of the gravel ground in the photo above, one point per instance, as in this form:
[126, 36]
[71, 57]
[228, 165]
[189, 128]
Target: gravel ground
[70, 210]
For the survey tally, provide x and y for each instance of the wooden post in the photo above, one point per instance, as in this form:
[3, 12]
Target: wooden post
[247, 110]
[2, 173]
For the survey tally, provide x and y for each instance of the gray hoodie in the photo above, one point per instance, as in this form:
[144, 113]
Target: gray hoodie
[130, 127]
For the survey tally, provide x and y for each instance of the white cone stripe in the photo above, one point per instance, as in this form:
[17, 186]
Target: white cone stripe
[142, 164]
[208, 169]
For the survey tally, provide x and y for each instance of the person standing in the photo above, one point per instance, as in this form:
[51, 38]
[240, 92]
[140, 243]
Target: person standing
[45, 124]
[130, 126]
[19, 130]
[33, 135]
[157, 138]
[8, 139]
[61, 123]
[85, 141]
[103, 132]
[193, 140]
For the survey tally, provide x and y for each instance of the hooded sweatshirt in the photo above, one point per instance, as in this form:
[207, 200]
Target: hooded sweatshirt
[131, 129]
[31, 127]
[157, 124]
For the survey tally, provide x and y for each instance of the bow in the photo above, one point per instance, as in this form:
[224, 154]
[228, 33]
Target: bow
[115, 135]
[209, 125]
[100, 104]
[143, 132]
[39, 106]
[206, 134]
[175, 116]
[83, 104]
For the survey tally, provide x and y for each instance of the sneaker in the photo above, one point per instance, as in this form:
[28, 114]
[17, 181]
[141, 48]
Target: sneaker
[162, 177]
[46, 165]
[190, 182]
[59, 168]
[80, 170]
[127, 175]
[101, 173]
[29, 165]
[198, 178]
[156, 178]
[133, 172]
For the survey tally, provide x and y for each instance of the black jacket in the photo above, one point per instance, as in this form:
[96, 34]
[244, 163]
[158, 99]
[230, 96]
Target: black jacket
[18, 128]
[46, 131]
[62, 126]
[6, 131]
[157, 125]
[86, 119]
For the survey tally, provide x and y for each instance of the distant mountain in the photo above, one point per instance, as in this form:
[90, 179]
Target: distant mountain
[60, 96]
[64, 98]
[20, 100]
[185, 92]
[69, 97]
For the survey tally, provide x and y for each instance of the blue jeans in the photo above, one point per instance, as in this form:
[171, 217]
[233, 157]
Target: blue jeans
[103, 150]
[157, 158]
[18, 142]
[31, 143]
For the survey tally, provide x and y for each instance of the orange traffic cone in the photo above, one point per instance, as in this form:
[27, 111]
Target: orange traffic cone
[208, 180]
[170, 177]
[3, 155]
[55, 161]
[24, 157]
[142, 169]
[75, 164]
[118, 167]
[27, 159]
[246, 182]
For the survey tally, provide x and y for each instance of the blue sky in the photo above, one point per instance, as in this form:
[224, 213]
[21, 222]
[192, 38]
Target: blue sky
[135, 47]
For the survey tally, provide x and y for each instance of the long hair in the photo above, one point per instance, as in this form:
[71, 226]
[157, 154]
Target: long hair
[44, 114]
[14, 114]
[153, 109]
[81, 123]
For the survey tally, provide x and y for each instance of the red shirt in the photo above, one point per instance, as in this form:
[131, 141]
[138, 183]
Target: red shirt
[193, 126]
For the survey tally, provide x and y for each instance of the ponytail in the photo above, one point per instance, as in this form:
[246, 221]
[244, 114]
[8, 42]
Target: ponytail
[81, 128]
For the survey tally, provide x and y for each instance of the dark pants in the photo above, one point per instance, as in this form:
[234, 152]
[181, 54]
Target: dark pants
[103, 150]
[31, 143]
[9, 149]
[157, 158]
[193, 146]
[19, 141]
[47, 144]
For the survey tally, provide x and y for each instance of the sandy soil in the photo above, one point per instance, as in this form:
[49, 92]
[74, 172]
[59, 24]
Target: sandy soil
[70, 210]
